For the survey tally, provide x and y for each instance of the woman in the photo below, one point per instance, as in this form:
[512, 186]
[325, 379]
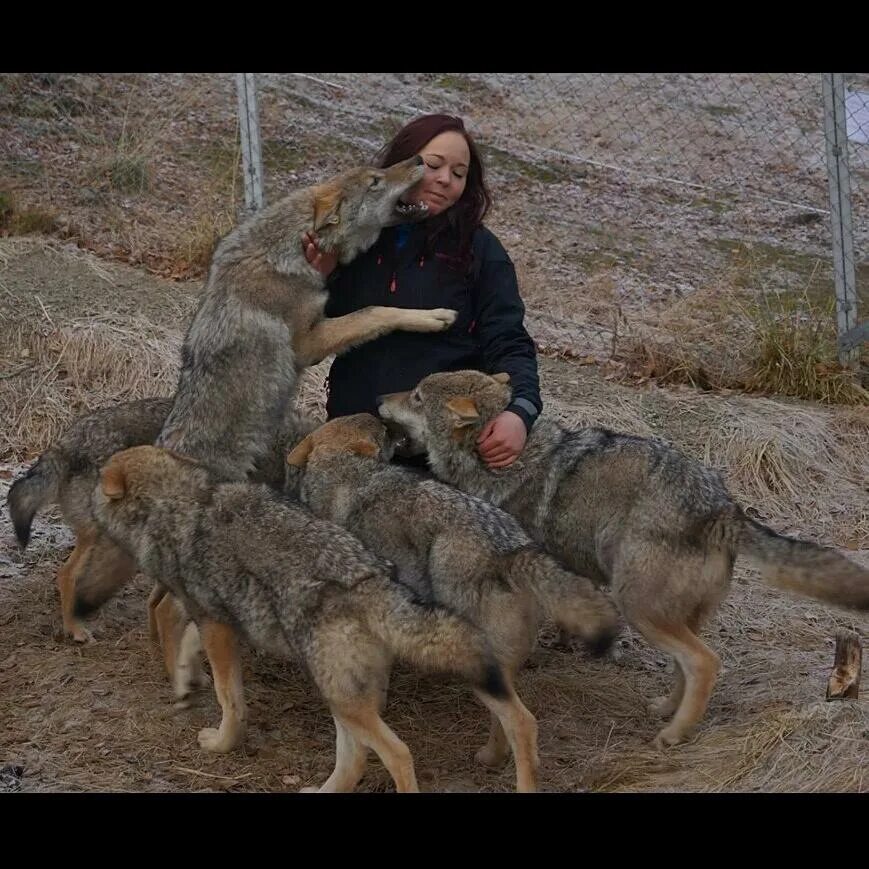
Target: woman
[448, 260]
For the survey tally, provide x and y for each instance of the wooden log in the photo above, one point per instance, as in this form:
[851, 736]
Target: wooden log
[844, 681]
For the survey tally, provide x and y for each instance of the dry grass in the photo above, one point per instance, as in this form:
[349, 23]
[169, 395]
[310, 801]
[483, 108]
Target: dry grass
[75, 368]
[796, 352]
[121, 164]
[193, 251]
[15, 220]
[212, 221]
[729, 338]
[210, 224]
[128, 174]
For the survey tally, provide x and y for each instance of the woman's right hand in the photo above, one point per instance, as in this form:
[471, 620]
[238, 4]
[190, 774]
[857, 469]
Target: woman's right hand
[324, 263]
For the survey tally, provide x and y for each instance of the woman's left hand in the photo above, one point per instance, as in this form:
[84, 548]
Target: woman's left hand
[502, 439]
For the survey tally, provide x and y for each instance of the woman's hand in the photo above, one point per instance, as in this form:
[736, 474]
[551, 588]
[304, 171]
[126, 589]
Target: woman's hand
[324, 263]
[502, 440]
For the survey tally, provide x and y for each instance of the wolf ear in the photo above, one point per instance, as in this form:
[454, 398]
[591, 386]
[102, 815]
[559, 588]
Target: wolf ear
[502, 377]
[363, 448]
[113, 481]
[298, 456]
[464, 411]
[326, 205]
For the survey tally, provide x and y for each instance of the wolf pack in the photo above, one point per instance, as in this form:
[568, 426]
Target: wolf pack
[259, 526]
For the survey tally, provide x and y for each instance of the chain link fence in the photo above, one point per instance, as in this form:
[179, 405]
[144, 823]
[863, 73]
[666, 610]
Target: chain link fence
[648, 189]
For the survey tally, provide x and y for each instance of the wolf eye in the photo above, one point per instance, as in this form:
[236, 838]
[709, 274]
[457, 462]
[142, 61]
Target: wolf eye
[374, 182]
[414, 397]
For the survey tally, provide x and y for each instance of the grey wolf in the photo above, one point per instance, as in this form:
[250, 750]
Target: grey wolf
[659, 528]
[247, 562]
[260, 321]
[451, 548]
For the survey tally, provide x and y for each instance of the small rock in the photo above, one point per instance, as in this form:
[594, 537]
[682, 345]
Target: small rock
[10, 778]
[805, 218]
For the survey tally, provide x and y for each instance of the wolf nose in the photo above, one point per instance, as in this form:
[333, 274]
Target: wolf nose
[379, 400]
[419, 160]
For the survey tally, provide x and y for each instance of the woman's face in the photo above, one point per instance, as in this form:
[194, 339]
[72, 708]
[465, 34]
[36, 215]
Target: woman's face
[446, 159]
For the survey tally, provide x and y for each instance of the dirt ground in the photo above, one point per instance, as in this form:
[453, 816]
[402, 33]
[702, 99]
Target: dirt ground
[101, 717]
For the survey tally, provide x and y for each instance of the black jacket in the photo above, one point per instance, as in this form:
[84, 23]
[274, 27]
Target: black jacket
[488, 334]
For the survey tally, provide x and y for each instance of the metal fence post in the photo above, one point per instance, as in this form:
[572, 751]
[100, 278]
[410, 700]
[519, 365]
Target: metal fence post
[252, 164]
[840, 214]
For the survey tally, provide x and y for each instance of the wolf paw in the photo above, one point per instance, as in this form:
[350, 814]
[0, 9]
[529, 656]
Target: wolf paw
[490, 757]
[435, 320]
[211, 739]
[446, 316]
[663, 707]
[81, 635]
[667, 737]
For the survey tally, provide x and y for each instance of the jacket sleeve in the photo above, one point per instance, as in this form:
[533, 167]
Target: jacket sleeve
[504, 343]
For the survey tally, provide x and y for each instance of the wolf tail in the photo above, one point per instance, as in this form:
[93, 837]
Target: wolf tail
[38, 488]
[572, 601]
[434, 638]
[805, 568]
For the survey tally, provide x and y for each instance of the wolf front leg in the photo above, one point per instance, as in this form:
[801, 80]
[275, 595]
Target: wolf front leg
[338, 334]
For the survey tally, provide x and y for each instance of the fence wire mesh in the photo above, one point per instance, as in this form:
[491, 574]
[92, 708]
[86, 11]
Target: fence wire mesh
[625, 200]
[651, 217]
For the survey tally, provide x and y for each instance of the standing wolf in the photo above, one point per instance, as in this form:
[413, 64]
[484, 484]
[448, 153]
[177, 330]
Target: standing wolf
[260, 321]
[660, 528]
[452, 548]
[245, 561]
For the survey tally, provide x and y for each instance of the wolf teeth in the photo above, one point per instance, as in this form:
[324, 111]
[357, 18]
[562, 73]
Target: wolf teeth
[412, 206]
